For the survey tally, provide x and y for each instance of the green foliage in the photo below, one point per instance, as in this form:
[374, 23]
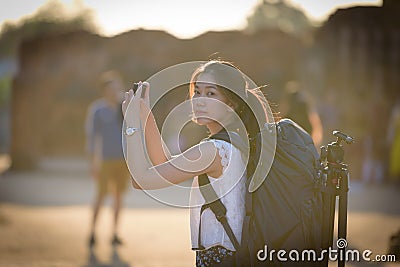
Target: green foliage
[51, 17]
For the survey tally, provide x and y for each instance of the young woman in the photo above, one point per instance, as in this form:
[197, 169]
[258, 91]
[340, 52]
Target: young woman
[218, 94]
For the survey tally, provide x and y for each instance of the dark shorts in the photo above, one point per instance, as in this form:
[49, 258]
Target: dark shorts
[113, 177]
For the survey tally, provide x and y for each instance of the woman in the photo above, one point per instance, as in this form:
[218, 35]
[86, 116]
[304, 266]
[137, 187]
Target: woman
[218, 94]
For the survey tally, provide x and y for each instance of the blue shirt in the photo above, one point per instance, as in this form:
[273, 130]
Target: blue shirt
[104, 125]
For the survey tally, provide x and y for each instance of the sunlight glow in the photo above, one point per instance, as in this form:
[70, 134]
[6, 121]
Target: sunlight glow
[182, 18]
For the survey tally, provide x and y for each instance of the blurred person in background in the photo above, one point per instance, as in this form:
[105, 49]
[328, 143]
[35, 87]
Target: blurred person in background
[375, 148]
[297, 107]
[329, 113]
[104, 146]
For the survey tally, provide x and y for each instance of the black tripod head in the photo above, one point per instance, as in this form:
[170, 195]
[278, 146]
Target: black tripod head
[334, 152]
[334, 178]
[343, 137]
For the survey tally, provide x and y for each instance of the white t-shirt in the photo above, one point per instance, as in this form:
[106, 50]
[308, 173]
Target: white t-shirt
[230, 188]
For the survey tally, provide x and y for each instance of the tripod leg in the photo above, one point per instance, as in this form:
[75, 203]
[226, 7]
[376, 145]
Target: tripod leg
[329, 200]
[342, 219]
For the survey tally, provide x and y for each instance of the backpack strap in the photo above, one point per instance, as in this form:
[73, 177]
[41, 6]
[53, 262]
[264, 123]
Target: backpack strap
[235, 139]
[211, 197]
[232, 138]
[217, 207]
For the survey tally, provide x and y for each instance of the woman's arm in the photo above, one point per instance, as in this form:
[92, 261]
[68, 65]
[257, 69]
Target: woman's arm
[156, 148]
[202, 158]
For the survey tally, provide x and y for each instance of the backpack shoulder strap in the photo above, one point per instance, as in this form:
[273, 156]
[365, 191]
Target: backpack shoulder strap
[232, 138]
[217, 207]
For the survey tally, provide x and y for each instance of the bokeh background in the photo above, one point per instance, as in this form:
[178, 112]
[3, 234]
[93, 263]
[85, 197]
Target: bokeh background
[344, 56]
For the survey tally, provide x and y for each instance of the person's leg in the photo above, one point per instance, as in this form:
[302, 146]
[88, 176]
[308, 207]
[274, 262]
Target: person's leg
[117, 207]
[120, 182]
[101, 183]
[96, 209]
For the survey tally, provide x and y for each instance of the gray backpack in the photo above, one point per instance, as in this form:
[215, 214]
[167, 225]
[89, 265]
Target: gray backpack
[285, 211]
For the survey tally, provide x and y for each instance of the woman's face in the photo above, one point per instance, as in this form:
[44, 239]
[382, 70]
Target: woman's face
[210, 106]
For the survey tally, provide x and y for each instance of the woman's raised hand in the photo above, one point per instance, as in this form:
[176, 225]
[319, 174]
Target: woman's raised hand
[131, 96]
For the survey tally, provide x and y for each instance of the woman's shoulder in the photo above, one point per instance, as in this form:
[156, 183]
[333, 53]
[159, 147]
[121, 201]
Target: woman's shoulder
[216, 142]
[226, 151]
[204, 153]
[222, 145]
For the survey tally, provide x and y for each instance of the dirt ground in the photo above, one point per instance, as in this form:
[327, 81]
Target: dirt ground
[45, 218]
[43, 236]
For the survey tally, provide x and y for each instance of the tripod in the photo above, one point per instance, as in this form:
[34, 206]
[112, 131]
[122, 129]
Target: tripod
[335, 183]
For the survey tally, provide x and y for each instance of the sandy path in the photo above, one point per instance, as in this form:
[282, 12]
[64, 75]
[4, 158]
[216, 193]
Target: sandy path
[56, 236]
[37, 236]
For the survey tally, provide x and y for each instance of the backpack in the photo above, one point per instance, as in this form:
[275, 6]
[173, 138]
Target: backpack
[285, 211]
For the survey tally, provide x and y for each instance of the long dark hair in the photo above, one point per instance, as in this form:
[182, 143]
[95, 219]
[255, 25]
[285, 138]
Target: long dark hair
[233, 84]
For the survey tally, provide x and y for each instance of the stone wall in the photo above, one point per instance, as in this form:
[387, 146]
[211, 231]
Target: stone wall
[58, 75]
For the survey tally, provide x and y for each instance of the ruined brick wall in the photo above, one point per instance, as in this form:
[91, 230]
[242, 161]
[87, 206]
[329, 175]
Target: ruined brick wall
[58, 77]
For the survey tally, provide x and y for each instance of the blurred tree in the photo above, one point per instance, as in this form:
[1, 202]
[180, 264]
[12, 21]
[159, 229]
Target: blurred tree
[277, 14]
[53, 16]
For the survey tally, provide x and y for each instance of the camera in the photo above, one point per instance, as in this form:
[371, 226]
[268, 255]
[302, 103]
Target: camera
[136, 86]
